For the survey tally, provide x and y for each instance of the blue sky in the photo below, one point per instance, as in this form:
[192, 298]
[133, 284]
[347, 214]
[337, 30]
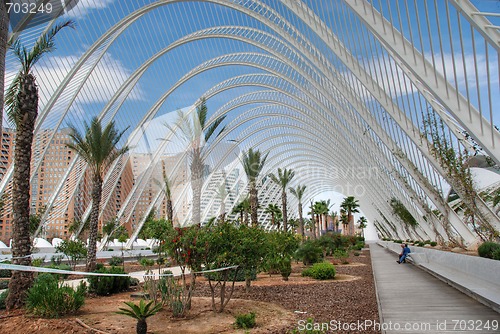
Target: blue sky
[163, 26]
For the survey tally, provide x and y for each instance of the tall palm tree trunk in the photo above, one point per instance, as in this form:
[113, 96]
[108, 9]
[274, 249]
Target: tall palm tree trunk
[196, 184]
[301, 221]
[170, 211]
[21, 246]
[4, 32]
[94, 222]
[285, 216]
[254, 203]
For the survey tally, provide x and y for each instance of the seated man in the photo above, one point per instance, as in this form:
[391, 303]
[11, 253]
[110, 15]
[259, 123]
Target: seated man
[404, 253]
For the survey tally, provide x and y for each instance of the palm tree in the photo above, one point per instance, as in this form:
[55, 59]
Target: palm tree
[140, 312]
[344, 220]
[21, 102]
[195, 131]
[283, 179]
[320, 209]
[166, 187]
[253, 163]
[97, 147]
[239, 208]
[362, 225]
[335, 220]
[350, 205]
[313, 220]
[274, 211]
[4, 35]
[222, 194]
[299, 193]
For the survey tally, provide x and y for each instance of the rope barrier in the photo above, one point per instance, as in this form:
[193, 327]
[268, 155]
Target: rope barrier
[83, 273]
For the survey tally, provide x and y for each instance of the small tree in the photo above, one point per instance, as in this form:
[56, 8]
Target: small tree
[73, 250]
[140, 312]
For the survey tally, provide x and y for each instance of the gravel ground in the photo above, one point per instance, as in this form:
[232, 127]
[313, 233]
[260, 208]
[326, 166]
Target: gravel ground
[336, 304]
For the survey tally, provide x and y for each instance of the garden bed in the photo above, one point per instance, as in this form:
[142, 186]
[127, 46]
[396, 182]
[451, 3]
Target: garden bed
[279, 306]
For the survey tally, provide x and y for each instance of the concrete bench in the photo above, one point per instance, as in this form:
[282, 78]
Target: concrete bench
[475, 276]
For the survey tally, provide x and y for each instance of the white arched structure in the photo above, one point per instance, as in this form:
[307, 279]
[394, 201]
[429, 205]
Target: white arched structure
[339, 91]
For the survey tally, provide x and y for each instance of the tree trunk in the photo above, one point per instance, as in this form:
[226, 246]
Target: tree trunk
[94, 222]
[196, 184]
[4, 33]
[222, 214]
[248, 282]
[285, 214]
[170, 211]
[141, 327]
[313, 224]
[254, 203]
[21, 242]
[301, 221]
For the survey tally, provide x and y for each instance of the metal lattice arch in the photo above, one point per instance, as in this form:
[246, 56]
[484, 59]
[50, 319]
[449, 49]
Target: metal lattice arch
[336, 90]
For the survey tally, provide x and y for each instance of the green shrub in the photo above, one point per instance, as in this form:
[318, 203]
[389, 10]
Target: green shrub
[320, 271]
[62, 266]
[487, 249]
[433, 243]
[309, 252]
[74, 250]
[341, 255]
[107, 285]
[496, 254]
[398, 241]
[245, 321]
[5, 273]
[145, 262]
[3, 296]
[285, 267]
[240, 275]
[115, 261]
[356, 253]
[4, 285]
[37, 262]
[47, 298]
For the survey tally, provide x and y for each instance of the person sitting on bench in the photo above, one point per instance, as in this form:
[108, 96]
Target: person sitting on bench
[404, 253]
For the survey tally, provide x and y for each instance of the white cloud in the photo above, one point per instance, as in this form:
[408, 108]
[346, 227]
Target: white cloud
[83, 7]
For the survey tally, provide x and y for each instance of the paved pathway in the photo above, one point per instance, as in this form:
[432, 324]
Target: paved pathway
[413, 301]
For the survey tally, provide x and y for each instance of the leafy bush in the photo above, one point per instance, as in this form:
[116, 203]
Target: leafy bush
[3, 296]
[47, 298]
[240, 275]
[356, 253]
[487, 249]
[320, 271]
[115, 261]
[107, 285]
[309, 252]
[398, 241]
[5, 273]
[496, 254]
[37, 262]
[74, 250]
[341, 255]
[145, 262]
[245, 321]
[433, 243]
[4, 285]
[62, 266]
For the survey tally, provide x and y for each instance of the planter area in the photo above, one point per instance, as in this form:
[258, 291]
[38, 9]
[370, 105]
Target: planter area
[278, 306]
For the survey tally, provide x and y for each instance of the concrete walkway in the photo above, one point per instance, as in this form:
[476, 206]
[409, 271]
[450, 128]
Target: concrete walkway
[412, 301]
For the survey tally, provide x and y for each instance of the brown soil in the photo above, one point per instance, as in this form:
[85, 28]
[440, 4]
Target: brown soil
[279, 306]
